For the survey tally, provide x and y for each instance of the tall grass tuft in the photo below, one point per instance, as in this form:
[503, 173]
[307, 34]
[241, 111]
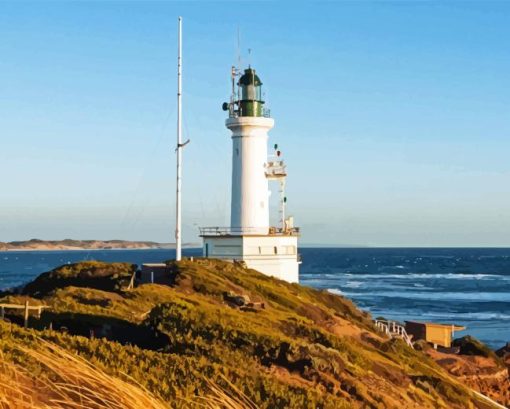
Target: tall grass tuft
[221, 399]
[71, 382]
[15, 388]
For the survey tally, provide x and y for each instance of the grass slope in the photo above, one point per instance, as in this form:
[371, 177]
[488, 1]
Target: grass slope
[305, 349]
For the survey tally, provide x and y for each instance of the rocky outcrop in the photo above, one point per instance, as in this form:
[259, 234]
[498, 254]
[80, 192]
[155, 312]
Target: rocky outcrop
[479, 368]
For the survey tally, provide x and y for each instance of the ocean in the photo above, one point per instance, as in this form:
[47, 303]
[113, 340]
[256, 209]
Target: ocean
[469, 287]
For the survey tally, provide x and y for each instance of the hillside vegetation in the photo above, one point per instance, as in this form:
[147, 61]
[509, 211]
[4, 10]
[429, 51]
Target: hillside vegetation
[281, 345]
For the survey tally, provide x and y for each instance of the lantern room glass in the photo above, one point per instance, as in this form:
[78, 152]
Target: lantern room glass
[251, 92]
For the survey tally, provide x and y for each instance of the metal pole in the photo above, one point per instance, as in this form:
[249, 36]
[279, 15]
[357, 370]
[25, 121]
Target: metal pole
[282, 204]
[179, 147]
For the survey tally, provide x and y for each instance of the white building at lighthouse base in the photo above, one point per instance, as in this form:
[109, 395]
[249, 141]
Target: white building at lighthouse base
[274, 254]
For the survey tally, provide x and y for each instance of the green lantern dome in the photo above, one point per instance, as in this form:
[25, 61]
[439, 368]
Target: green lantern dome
[250, 103]
[250, 78]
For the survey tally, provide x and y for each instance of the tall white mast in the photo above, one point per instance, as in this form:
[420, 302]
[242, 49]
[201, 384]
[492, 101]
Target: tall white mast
[178, 247]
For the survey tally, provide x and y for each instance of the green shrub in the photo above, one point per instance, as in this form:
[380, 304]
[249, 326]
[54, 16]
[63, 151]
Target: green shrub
[91, 274]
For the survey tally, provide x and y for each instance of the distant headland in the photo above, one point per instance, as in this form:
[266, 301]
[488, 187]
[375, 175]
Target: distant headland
[70, 244]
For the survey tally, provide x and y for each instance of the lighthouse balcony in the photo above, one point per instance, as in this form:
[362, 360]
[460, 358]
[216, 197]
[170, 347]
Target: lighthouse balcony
[234, 113]
[248, 231]
[276, 169]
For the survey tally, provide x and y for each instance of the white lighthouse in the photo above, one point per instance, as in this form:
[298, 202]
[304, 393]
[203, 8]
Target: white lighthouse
[271, 250]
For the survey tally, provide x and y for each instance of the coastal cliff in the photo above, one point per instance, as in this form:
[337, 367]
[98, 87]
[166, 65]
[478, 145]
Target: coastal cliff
[70, 244]
[278, 345]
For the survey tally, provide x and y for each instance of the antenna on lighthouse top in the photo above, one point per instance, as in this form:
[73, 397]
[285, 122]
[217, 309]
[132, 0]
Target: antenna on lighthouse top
[238, 47]
[180, 145]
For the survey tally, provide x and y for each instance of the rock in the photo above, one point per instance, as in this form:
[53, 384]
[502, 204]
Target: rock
[471, 346]
[236, 299]
[502, 352]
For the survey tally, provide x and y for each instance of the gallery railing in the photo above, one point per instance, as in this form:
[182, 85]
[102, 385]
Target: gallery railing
[238, 231]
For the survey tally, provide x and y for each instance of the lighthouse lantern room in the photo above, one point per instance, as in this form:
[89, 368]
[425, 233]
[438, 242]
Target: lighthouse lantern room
[271, 250]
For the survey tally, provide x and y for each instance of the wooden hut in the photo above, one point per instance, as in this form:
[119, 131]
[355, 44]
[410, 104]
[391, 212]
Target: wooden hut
[436, 334]
[158, 273]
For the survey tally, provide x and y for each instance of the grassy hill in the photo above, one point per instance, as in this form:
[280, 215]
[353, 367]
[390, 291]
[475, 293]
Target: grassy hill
[281, 345]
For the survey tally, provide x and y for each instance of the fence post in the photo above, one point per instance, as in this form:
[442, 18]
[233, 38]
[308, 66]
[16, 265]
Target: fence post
[26, 314]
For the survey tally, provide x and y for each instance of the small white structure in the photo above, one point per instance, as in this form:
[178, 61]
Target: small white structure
[271, 250]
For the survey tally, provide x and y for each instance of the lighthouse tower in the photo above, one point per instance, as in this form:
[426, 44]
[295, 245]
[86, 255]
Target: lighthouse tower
[271, 250]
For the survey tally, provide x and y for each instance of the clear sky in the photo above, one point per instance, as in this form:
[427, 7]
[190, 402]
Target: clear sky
[393, 118]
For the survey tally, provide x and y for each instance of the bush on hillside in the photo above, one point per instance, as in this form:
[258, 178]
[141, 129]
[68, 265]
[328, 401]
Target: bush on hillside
[471, 346]
[91, 274]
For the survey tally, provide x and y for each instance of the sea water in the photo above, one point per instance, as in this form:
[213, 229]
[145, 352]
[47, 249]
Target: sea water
[469, 287]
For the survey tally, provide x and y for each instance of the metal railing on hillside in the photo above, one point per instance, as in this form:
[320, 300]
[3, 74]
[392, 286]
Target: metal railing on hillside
[394, 330]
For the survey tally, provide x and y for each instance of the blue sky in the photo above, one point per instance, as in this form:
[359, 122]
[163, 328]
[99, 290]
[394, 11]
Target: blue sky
[392, 117]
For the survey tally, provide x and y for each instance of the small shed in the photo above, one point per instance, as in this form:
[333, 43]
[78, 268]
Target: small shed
[436, 334]
[158, 273]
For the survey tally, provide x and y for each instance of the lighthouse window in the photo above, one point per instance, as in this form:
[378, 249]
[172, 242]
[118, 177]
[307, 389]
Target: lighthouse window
[251, 92]
[291, 250]
[275, 250]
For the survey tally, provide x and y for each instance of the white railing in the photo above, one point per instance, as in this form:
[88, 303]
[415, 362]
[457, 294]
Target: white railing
[394, 330]
[234, 113]
[275, 169]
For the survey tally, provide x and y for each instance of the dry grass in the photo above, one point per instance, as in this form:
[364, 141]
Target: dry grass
[15, 391]
[221, 399]
[70, 382]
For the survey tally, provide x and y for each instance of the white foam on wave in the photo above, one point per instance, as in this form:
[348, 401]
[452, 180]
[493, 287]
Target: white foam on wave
[445, 296]
[409, 276]
[353, 284]
[470, 316]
